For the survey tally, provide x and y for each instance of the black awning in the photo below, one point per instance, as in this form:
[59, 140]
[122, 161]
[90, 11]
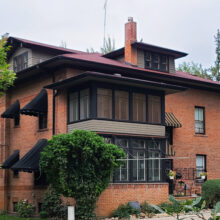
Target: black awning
[30, 161]
[13, 111]
[13, 158]
[36, 106]
[171, 120]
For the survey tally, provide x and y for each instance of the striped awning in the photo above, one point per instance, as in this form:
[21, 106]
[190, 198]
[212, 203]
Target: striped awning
[171, 120]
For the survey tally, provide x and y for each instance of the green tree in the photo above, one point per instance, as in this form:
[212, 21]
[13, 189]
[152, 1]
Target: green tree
[194, 69]
[109, 46]
[7, 76]
[79, 165]
[215, 70]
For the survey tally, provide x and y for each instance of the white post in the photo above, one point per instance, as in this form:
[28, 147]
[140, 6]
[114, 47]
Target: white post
[71, 213]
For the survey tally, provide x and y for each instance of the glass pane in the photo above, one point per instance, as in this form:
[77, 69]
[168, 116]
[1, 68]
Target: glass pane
[73, 107]
[121, 142]
[139, 171]
[154, 109]
[84, 104]
[104, 100]
[138, 143]
[121, 105]
[139, 107]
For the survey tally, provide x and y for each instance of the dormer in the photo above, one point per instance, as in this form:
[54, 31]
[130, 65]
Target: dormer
[144, 55]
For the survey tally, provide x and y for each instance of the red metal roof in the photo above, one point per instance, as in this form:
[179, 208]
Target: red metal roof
[97, 58]
[46, 45]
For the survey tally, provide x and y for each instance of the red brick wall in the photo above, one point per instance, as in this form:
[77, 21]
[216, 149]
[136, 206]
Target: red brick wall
[117, 194]
[186, 142]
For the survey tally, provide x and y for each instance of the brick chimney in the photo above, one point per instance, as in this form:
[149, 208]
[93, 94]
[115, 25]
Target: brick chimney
[130, 36]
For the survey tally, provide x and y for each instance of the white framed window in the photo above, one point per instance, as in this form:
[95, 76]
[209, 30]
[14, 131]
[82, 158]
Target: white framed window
[199, 120]
[121, 174]
[200, 164]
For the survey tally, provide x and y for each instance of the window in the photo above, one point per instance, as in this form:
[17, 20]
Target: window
[121, 105]
[84, 104]
[42, 121]
[104, 103]
[154, 165]
[121, 174]
[20, 62]
[139, 107]
[73, 107]
[200, 164]
[79, 105]
[17, 121]
[142, 162]
[148, 60]
[156, 61]
[15, 206]
[139, 162]
[154, 109]
[199, 120]
[15, 174]
[40, 179]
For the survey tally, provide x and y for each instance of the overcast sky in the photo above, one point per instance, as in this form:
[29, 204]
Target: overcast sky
[186, 25]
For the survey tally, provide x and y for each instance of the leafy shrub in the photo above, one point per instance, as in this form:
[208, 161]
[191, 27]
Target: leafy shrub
[44, 214]
[124, 211]
[53, 206]
[3, 212]
[211, 192]
[148, 209]
[25, 210]
[79, 165]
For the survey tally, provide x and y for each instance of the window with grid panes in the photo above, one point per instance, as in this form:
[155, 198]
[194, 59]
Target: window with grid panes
[154, 163]
[20, 62]
[122, 173]
[138, 147]
[73, 107]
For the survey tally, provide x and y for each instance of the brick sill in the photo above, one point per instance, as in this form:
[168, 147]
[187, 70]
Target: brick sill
[200, 135]
[156, 183]
[42, 130]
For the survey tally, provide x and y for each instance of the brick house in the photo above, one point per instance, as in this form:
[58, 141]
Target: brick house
[133, 97]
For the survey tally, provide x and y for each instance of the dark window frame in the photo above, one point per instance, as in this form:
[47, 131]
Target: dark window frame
[94, 86]
[23, 62]
[203, 122]
[42, 121]
[205, 164]
[159, 61]
[130, 150]
[17, 121]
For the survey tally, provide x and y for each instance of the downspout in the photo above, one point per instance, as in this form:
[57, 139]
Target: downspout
[54, 106]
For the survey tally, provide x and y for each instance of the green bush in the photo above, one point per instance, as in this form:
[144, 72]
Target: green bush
[53, 206]
[44, 214]
[148, 209]
[25, 210]
[124, 211]
[3, 212]
[211, 192]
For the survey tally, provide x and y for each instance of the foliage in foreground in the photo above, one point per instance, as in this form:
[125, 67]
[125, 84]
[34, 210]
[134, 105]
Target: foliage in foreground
[7, 76]
[52, 206]
[124, 211]
[79, 165]
[25, 209]
[211, 192]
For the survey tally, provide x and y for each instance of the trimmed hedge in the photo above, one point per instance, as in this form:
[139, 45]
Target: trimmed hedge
[211, 192]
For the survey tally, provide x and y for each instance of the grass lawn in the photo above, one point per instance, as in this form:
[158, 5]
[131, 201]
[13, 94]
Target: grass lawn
[6, 217]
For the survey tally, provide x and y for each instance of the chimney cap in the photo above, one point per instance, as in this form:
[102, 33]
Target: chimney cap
[130, 19]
